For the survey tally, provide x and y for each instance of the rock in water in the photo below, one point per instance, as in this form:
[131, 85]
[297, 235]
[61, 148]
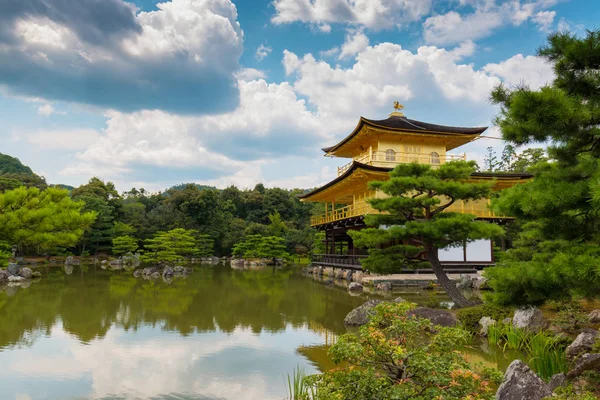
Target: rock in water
[36, 274]
[361, 314]
[583, 343]
[385, 286]
[529, 318]
[594, 316]
[355, 287]
[26, 273]
[137, 273]
[3, 276]
[521, 383]
[15, 278]
[13, 269]
[168, 272]
[485, 323]
[437, 317]
[69, 260]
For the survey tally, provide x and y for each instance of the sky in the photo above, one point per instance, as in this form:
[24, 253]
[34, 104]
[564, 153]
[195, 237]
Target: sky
[220, 92]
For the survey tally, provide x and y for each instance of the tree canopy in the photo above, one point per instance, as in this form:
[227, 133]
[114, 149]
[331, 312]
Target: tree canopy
[415, 223]
[559, 210]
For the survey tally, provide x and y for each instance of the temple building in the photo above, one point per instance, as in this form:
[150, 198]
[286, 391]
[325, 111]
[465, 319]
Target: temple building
[374, 148]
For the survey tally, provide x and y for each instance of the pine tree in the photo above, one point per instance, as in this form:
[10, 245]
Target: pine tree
[560, 219]
[205, 245]
[414, 218]
[170, 246]
[123, 245]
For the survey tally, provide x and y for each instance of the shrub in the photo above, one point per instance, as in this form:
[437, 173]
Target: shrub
[399, 357]
[469, 317]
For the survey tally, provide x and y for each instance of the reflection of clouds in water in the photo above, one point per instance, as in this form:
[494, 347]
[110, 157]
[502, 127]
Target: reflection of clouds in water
[154, 363]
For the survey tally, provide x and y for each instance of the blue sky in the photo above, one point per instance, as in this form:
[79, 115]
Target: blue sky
[222, 92]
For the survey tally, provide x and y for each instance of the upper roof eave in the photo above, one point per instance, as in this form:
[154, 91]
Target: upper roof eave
[403, 124]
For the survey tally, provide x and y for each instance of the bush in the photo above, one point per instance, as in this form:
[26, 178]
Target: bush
[469, 317]
[399, 357]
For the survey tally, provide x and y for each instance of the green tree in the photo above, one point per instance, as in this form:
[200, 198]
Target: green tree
[415, 219]
[248, 248]
[507, 158]
[399, 357]
[123, 245]
[205, 245]
[527, 159]
[490, 161]
[5, 253]
[41, 221]
[557, 209]
[272, 247]
[170, 246]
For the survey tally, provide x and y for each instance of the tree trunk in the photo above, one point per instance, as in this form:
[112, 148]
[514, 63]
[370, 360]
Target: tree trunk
[450, 287]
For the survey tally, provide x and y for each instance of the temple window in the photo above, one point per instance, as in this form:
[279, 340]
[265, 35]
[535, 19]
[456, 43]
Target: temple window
[435, 158]
[390, 155]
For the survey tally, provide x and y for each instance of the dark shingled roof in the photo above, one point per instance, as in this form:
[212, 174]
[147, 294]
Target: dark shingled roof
[395, 122]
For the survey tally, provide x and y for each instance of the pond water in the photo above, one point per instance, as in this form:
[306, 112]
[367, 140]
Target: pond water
[220, 333]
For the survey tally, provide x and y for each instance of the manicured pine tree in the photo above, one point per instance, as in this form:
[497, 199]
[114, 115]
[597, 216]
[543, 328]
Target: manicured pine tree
[272, 247]
[123, 245]
[205, 245]
[170, 246]
[415, 219]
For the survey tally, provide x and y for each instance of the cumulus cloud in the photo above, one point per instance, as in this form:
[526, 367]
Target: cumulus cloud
[355, 42]
[532, 71]
[181, 57]
[77, 139]
[381, 14]
[488, 15]
[544, 20]
[262, 51]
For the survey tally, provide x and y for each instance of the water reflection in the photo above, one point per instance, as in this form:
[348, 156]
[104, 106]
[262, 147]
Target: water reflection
[219, 334]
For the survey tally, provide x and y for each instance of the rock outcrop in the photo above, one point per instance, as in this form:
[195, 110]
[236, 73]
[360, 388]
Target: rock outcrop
[437, 317]
[583, 343]
[529, 318]
[485, 323]
[586, 362]
[361, 314]
[521, 383]
[594, 316]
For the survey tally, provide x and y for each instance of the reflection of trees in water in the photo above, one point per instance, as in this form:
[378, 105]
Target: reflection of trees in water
[90, 301]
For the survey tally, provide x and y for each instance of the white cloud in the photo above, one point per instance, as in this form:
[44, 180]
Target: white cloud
[262, 51]
[181, 57]
[46, 110]
[78, 139]
[250, 74]
[465, 49]
[544, 20]
[356, 41]
[530, 70]
[488, 15]
[380, 14]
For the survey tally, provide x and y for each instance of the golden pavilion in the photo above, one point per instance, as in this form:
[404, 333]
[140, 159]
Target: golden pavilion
[374, 148]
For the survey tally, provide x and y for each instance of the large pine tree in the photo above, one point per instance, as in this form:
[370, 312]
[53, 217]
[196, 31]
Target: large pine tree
[415, 217]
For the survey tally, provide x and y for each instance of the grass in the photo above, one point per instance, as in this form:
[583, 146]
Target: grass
[298, 387]
[545, 351]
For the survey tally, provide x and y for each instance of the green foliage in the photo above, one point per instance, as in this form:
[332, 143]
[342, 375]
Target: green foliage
[470, 316]
[318, 246]
[14, 174]
[299, 387]
[166, 247]
[205, 245]
[40, 221]
[401, 357]
[5, 253]
[490, 161]
[416, 220]
[123, 245]
[545, 351]
[544, 271]
[257, 246]
[556, 255]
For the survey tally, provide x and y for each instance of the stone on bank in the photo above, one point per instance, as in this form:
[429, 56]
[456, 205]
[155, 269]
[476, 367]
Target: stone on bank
[521, 383]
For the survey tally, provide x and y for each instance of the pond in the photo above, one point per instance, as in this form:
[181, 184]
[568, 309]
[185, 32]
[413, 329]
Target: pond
[220, 333]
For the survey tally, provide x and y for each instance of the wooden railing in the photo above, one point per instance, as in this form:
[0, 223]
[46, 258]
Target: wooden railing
[480, 208]
[383, 158]
[338, 260]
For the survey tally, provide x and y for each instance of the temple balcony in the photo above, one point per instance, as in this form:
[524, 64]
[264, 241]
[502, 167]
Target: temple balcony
[390, 159]
[479, 208]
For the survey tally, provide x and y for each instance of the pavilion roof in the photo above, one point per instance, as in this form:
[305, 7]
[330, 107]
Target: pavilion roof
[399, 123]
